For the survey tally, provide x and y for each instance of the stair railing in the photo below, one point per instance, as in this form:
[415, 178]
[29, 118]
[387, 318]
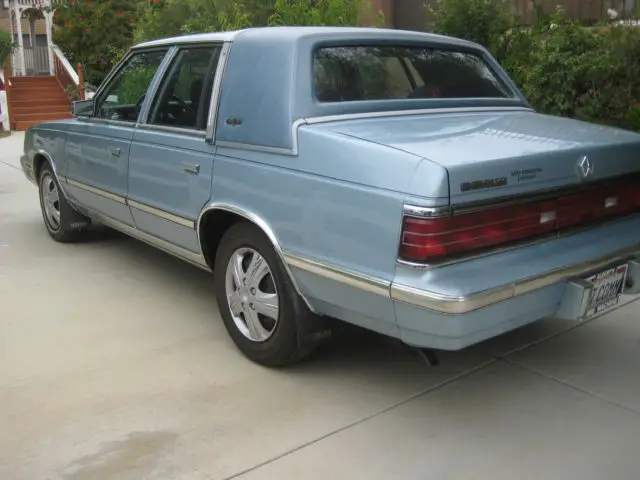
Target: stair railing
[65, 74]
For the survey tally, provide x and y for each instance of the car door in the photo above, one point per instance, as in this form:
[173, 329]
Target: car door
[171, 163]
[97, 148]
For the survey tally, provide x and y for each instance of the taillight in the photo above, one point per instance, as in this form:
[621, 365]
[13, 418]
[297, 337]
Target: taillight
[595, 204]
[432, 239]
[426, 239]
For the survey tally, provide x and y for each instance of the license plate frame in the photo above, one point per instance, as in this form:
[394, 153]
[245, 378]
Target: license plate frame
[608, 285]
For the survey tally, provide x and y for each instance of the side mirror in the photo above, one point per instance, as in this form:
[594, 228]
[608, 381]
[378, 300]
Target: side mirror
[82, 108]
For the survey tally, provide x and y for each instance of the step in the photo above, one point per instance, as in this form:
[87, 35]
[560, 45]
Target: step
[39, 102]
[33, 80]
[21, 125]
[55, 89]
[38, 108]
[37, 88]
[42, 116]
[35, 99]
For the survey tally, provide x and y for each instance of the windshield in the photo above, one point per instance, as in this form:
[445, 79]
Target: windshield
[353, 73]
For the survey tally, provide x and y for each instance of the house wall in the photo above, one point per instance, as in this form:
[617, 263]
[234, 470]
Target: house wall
[6, 25]
[411, 14]
[585, 10]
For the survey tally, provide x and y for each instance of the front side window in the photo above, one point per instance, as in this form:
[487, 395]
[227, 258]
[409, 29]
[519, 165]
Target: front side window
[184, 96]
[353, 73]
[122, 98]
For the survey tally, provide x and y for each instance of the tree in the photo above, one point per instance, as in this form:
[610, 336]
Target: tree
[6, 45]
[95, 32]
[320, 12]
[161, 18]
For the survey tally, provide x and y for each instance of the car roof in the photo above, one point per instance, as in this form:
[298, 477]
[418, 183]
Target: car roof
[295, 33]
[193, 38]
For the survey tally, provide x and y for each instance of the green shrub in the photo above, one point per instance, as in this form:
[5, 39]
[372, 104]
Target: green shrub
[6, 45]
[481, 21]
[322, 12]
[566, 69]
[562, 67]
[174, 17]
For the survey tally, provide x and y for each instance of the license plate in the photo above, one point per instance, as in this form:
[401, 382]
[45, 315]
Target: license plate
[607, 287]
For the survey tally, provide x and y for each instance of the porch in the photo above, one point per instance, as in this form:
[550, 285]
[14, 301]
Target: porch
[40, 82]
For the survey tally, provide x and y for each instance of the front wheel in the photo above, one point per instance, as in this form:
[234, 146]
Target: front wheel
[258, 304]
[63, 223]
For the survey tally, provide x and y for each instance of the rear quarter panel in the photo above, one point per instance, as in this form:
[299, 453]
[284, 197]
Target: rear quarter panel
[339, 202]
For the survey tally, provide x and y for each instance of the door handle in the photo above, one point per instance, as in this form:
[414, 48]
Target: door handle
[190, 168]
[115, 152]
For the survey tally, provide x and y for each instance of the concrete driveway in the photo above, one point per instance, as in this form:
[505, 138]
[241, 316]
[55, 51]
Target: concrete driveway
[114, 364]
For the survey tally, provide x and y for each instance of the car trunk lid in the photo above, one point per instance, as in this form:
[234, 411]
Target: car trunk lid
[493, 154]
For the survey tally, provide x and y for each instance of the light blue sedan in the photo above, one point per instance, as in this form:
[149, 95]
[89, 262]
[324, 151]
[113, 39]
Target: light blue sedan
[394, 180]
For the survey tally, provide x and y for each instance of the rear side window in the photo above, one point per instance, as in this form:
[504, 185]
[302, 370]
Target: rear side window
[353, 73]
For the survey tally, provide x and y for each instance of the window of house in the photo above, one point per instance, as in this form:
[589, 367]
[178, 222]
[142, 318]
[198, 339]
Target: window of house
[184, 96]
[353, 73]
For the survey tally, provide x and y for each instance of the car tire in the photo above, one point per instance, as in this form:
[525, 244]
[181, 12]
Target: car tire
[63, 223]
[249, 280]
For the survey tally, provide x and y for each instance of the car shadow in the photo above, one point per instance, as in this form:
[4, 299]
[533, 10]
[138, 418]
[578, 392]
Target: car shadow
[349, 344]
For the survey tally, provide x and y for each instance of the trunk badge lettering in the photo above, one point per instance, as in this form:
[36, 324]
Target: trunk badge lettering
[585, 167]
[480, 184]
[526, 173]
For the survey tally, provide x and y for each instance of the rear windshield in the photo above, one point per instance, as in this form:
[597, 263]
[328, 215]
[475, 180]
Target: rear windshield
[343, 74]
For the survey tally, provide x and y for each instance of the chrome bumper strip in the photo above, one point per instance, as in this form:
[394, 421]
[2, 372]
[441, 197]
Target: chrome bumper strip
[451, 304]
[457, 305]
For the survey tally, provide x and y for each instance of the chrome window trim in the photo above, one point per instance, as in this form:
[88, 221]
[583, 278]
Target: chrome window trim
[178, 219]
[227, 36]
[107, 121]
[152, 89]
[166, 128]
[294, 135]
[97, 191]
[212, 118]
[293, 151]
[456, 305]
[421, 111]
[114, 71]
[264, 226]
[116, 68]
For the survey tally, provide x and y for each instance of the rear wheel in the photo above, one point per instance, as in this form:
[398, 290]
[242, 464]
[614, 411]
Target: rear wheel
[259, 306]
[63, 223]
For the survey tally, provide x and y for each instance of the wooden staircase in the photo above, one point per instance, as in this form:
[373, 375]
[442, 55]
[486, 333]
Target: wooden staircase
[33, 100]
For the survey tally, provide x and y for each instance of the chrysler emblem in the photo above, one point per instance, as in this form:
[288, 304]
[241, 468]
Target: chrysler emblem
[585, 167]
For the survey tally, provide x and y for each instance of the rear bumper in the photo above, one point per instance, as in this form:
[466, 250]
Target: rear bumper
[458, 305]
[474, 301]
